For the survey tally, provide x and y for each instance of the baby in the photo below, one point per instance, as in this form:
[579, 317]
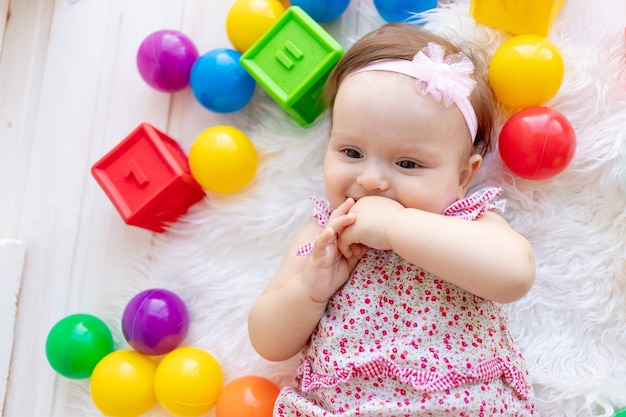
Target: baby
[393, 294]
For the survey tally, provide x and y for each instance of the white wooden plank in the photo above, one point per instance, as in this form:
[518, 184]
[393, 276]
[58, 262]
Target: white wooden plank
[24, 46]
[12, 254]
[21, 69]
[4, 17]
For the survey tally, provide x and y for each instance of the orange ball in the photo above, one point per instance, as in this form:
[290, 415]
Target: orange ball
[252, 396]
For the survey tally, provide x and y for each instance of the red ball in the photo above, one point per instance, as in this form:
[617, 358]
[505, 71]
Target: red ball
[537, 143]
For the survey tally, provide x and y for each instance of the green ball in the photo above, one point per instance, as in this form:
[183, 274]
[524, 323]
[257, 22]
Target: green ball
[621, 413]
[76, 344]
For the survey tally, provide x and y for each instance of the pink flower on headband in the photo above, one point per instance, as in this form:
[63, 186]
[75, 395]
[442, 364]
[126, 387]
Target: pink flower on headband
[443, 76]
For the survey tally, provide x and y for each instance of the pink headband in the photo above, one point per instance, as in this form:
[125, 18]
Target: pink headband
[442, 76]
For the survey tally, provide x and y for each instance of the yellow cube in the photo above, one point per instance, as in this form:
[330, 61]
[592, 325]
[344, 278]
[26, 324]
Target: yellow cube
[520, 17]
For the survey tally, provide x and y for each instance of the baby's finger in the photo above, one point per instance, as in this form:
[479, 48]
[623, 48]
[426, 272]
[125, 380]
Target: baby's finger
[340, 223]
[358, 250]
[344, 247]
[343, 208]
[325, 239]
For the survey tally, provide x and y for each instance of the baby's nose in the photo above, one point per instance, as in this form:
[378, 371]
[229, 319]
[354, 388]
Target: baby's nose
[373, 178]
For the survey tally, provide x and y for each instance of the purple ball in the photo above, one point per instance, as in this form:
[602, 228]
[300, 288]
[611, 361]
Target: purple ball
[155, 322]
[165, 58]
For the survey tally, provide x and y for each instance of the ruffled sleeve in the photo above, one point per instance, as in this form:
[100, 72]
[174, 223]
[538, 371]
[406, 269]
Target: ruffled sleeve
[321, 213]
[476, 204]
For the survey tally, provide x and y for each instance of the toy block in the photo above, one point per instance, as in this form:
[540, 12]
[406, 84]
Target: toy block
[292, 61]
[518, 17]
[147, 178]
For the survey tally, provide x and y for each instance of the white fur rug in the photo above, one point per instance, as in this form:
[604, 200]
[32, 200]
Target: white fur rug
[571, 326]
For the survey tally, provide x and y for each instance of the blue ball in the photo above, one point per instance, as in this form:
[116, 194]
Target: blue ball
[220, 83]
[401, 10]
[322, 11]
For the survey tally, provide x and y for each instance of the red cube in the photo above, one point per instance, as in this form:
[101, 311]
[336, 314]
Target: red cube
[147, 177]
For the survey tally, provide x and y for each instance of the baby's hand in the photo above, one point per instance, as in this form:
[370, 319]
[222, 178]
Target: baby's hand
[328, 268]
[373, 216]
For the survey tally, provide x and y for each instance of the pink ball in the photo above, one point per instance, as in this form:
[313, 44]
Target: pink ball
[165, 58]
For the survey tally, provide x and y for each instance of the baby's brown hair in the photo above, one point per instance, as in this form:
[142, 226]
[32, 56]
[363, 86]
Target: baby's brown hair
[403, 41]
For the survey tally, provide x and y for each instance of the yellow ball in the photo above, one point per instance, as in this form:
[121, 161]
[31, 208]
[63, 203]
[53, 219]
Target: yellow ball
[526, 71]
[248, 20]
[223, 159]
[122, 384]
[188, 381]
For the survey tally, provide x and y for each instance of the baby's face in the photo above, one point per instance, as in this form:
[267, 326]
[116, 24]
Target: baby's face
[389, 140]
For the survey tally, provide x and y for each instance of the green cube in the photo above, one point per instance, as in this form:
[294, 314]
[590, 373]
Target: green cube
[292, 61]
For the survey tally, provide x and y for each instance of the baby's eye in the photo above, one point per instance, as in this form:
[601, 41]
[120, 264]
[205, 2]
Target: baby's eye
[406, 164]
[352, 153]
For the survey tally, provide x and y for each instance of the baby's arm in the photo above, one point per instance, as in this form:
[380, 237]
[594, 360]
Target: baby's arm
[283, 318]
[485, 257]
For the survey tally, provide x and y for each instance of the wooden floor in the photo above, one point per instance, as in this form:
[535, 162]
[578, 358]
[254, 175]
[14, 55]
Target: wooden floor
[69, 92]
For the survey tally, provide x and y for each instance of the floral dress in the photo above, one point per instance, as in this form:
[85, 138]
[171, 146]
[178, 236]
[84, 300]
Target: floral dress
[397, 341]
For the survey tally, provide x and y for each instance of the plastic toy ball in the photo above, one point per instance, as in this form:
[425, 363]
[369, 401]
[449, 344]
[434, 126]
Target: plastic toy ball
[537, 143]
[155, 321]
[526, 71]
[165, 58]
[621, 413]
[401, 10]
[252, 396]
[220, 83]
[188, 381]
[222, 159]
[248, 20]
[76, 344]
[322, 11]
[122, 384]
